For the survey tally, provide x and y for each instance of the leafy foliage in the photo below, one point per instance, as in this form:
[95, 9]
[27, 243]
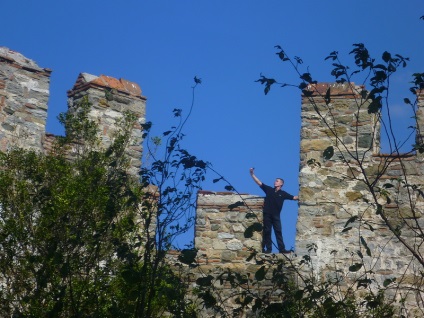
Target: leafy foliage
[279, 288]
[73, 232]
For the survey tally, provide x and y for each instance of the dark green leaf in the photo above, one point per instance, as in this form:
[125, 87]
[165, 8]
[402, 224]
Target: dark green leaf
[208, 299]
[386, 57]
[247, 300]
[346, 229]
[197, 80]
[303, 85]
[268, 82]
[281, 55]
[364, 282]
[204, 281]
[260, 273]
[307, 78]
[177, 112]
[298, 60]
[307, 93]
[355, 267]
[369, 226]
[257, 305]
[388, 185]
[381, 66]
[364, 243]
[248, 233]
[229, 188]
[255, 227]
[351, 220]
[187, 256]
[236, 204]
[379, 209]
[317, 294]
[419, 147]
[250, 215]
[374, 106]
[328, 153]
[299, 294]
[327, 98]
[388, 281]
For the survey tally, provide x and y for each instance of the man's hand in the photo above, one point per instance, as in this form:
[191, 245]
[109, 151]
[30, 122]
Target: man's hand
[296, 198]
[252, 173]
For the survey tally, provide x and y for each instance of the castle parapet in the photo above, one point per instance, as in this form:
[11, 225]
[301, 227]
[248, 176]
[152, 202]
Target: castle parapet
[221, 221]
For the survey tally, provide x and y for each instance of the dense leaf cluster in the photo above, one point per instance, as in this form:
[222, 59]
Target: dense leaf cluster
[73, 227]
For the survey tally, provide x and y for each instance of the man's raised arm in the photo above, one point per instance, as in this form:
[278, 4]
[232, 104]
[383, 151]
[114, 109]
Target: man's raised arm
[255, 178]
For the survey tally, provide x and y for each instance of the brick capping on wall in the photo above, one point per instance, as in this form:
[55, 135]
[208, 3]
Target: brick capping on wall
[202, 192]
[111, 99]
[336, 89]
[86, 81]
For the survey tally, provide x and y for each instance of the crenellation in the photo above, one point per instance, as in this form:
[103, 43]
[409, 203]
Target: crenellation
[332, 189]
[337, 185]
[24, 94]
[111, 99]
[221, 220]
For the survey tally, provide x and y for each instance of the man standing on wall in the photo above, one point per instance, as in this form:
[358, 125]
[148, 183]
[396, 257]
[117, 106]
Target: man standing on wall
[274, 199]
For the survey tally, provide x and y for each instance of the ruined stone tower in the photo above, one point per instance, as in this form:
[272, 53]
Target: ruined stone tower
[110, 99]
[338, 215]
[24, 93]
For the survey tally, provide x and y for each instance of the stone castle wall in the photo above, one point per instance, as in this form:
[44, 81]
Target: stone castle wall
[335, 194]
[221, 221]
[332, 191]
[24, 94]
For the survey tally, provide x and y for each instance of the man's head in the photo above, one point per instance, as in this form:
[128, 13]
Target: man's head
[279, 182]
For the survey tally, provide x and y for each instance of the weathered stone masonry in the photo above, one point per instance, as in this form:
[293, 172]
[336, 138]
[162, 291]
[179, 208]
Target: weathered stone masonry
[111, 98]
[24, 93]
[220, 225]
[330, 192]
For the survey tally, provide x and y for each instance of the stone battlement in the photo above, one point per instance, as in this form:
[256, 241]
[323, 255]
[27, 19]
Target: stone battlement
[335, 191]
[24, 94]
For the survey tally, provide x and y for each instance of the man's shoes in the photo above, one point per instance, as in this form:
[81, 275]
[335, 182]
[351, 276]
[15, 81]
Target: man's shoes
[286, 251]
[266, 251]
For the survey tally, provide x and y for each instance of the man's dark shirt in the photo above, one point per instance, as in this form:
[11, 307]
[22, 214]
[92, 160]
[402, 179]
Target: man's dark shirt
[274, 199]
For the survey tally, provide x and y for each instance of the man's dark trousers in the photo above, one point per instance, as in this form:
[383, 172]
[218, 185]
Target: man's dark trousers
[272, 221]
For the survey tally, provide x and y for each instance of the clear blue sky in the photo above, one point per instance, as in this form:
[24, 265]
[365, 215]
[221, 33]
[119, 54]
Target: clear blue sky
[162, 45]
